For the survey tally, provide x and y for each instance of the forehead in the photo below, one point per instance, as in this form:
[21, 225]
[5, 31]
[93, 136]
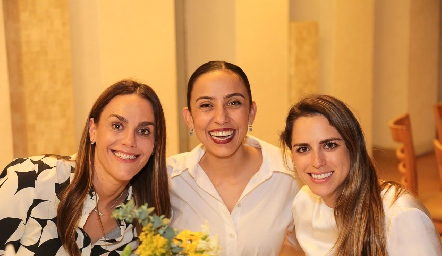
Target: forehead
[313, 128]
[129, 105]
[219, 83]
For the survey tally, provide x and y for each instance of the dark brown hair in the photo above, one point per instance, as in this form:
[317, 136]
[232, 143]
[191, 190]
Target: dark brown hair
[214, 66]
[150, 185]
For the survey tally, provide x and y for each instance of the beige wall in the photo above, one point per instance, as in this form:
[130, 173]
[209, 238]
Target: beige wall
[406, 68]
[367, 55]
[346, 34]
[352, 62]
[113, 40]
[262, 39]
[303, 59]
[39, 66]
[381, 58]
[6, 150]
[253, 35]
[53, 85]
[391, 65]
[423, 71]
[208, 35]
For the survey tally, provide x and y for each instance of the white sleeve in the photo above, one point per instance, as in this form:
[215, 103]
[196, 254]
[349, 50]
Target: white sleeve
[411, 232]
[16, 190]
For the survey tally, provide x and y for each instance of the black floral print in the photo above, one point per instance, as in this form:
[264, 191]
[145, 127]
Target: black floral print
[29, 189]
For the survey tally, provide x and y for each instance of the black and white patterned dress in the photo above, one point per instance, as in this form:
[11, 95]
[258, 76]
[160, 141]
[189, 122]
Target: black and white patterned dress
[28, 208]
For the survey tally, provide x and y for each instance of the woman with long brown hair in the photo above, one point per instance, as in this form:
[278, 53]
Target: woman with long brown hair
[344, 209]
[52, 205]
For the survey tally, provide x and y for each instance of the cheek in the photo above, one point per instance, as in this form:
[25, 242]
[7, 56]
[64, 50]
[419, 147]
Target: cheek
[301, 163]
[148, 145]
[107, 137]
[245, 115]
[151, 145]
[343, 160]
[200, 120]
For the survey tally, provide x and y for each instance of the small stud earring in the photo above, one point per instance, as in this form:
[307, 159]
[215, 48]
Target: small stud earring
[92, 142]
[191, 132]
[250, 127]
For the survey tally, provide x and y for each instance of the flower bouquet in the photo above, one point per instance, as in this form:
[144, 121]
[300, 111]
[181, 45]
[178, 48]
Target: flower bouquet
[159, 239]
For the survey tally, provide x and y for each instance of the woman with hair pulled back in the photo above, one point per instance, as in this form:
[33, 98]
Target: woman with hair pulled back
[53, 205]
[234, 181]
[344, 209]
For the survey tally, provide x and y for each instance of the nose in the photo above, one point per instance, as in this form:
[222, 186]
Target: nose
[129, 139]
[221, 116]
[318, 159]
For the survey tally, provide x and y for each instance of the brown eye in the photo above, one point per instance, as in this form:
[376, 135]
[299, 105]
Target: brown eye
[302, 149]
[144, 131]
[205, 105]
[330, 145]
[235, 103]
[117, 126]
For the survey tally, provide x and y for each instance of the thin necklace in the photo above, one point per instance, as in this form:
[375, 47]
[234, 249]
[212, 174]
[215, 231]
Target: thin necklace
[99, 218]
[99, 214]
[112, 206]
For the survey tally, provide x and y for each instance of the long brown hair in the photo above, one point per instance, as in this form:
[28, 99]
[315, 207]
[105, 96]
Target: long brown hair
[359, 211]
[150, 185]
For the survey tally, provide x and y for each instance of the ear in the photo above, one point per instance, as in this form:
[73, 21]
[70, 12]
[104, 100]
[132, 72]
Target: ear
[252, 113]
[188, 117]
[92, 129]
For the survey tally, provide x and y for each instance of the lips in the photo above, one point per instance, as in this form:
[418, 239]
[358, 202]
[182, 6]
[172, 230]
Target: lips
[222, 136]
[321, 176]
[124, 156]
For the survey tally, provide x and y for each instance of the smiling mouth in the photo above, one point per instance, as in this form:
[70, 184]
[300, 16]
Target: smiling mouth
[124, 156]
[321, 176]
[222, 135]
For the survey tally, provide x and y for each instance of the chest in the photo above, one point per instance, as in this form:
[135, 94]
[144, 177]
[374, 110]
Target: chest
[230, 192]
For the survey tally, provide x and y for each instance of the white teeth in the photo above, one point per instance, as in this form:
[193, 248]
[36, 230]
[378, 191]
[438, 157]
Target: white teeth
[227, 134]
[321, 176]
[124, 156]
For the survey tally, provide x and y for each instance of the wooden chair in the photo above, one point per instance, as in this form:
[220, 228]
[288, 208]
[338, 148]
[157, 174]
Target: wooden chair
[438, 153]
[401, 132]
[438, 118]
[400, 128]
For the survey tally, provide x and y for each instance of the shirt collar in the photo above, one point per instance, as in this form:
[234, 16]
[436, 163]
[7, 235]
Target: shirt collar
[271, 159]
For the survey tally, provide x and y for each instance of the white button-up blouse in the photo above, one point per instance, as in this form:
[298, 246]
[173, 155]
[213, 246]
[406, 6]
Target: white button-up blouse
[262, 216]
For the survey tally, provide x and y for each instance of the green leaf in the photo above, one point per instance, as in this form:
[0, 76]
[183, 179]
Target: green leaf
[169, 233]
[127, 250]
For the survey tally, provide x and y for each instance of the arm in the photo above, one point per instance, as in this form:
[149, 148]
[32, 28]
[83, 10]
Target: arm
[290, 246]
[411, 232]
[16, 198]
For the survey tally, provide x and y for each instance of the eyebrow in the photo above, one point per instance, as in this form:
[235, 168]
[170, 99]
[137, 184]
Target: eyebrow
[228, 96]
[124, 120]
[321, 142]
[299, 145]
[328, 140]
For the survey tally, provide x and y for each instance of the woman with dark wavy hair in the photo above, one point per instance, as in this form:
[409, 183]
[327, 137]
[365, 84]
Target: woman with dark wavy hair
[344, 209]
[52, 205]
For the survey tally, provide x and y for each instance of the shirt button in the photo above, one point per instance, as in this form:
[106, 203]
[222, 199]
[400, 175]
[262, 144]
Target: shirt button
[232, 235]
[239, 205]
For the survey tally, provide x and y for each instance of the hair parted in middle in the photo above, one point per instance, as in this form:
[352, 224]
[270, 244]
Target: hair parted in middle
[359, 209]
[150, 185]
[215, 66]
